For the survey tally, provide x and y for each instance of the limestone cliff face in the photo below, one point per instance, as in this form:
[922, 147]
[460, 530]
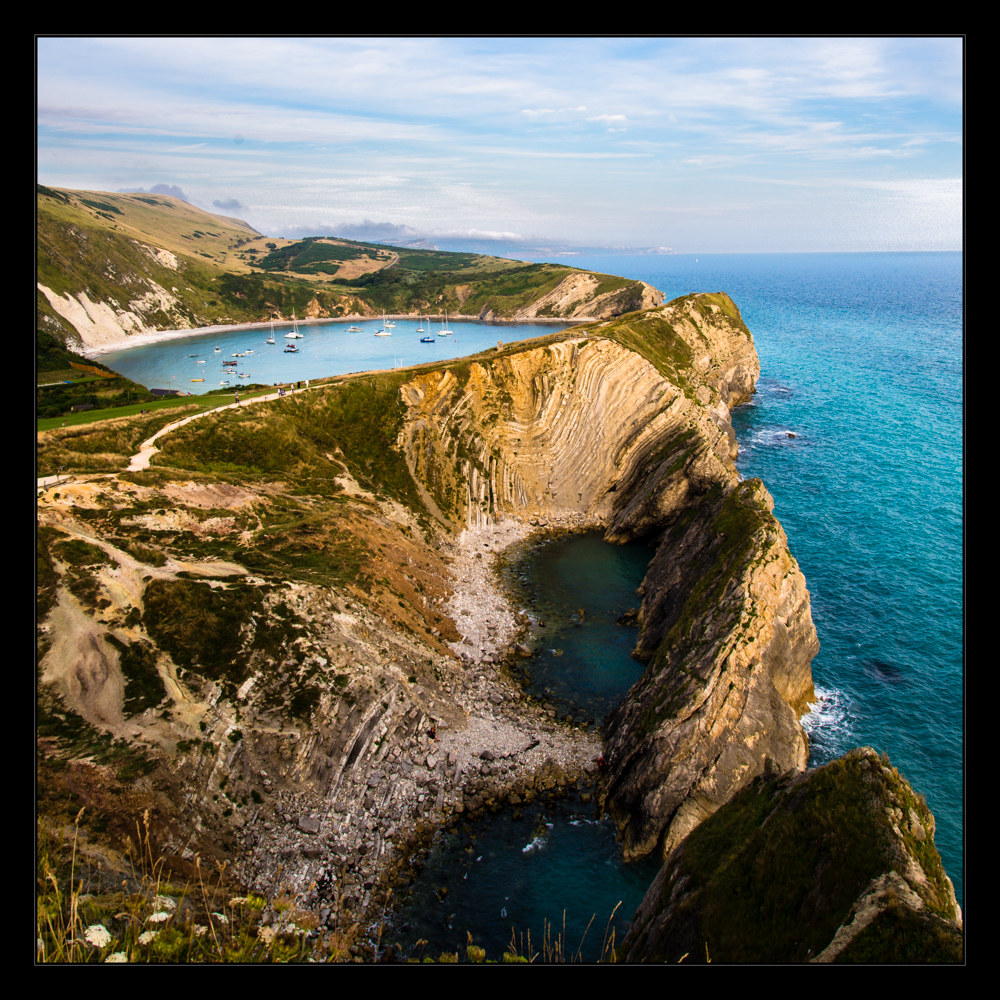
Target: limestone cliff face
[548, 431]
[629, 428]
[834, 865]
[728, 633]
[578, 296]
[587, 425]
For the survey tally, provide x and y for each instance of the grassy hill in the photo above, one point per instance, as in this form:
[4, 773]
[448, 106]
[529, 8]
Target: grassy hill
[113, 264]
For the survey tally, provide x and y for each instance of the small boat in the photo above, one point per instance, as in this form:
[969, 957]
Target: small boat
[243, 375]
[294, 334]
[225, 381]
[249, 350]
[229, 364]
[217, 350]
[427, 340]
[385, 331]
[420, 329]
[291, 349]
[197, 380]
[445, 332]
[354, 329]
[270, 340]
[199, 362]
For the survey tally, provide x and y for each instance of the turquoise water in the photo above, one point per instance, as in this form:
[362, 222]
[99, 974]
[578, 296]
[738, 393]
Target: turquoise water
[862, 359]
[577, 588]
[325, 349]
[544, 871]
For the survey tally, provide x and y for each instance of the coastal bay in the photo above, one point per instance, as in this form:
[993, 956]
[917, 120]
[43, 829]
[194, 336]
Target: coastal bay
[520, 482]
[175, 358]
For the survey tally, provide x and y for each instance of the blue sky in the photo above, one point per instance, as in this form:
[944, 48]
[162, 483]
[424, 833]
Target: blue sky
[702, 144]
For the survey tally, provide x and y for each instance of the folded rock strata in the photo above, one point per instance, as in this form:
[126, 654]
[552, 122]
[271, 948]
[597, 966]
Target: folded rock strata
[626, 426]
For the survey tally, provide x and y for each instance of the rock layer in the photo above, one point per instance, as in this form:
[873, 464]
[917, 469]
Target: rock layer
[729, 636]
[628, 427]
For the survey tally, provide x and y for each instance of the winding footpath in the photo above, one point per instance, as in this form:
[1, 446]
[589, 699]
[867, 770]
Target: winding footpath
[148, 448]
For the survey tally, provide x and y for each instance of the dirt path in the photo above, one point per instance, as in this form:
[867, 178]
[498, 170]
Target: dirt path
[148, 448]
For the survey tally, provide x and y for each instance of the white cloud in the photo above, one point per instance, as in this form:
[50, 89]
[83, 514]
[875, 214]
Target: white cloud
[503, 134]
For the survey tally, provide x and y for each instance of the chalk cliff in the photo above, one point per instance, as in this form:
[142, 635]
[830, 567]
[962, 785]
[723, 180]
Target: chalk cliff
[112, 267]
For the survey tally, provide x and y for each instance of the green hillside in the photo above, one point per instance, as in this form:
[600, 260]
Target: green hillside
[155, 262]
[110, 265]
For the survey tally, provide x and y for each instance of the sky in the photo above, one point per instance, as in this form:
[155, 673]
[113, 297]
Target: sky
[697, 144]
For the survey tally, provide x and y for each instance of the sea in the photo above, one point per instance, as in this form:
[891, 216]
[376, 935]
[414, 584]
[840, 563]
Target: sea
[856, 429]
[193, 364]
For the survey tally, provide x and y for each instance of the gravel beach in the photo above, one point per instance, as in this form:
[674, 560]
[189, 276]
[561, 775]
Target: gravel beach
[499, 720]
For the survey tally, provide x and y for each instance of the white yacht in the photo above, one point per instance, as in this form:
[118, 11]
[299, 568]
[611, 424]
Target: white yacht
[294, 334]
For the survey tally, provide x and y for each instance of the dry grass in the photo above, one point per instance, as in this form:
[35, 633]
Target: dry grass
[152, 918]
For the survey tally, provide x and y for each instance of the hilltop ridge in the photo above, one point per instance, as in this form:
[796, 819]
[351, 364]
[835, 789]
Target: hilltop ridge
[110, 266]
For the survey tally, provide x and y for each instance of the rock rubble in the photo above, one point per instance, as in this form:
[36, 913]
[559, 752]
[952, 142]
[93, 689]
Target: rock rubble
[480, 744]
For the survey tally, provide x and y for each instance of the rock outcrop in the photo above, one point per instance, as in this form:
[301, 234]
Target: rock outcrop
[729, 637]
[626, 426]
[836, 864]
[579, 296]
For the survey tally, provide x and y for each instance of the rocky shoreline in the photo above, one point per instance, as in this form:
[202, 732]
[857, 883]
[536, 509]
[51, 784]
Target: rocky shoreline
[508, 749]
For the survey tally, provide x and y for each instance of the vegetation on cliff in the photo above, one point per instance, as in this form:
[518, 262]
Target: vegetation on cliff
[111, 264]
[774, 874]
[252, 638]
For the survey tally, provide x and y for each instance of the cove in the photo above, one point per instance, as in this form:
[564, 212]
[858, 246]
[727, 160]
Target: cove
[191, 364]
[546, 876]
[576, 589]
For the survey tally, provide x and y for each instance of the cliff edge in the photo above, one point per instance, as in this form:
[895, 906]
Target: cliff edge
[834, 865]
[625, 425]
